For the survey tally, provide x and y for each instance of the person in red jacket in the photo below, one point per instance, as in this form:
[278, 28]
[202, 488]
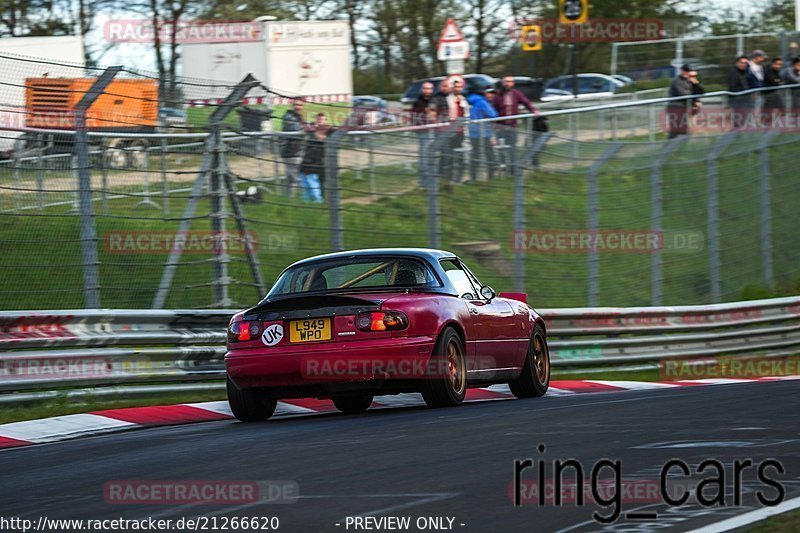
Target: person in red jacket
[507, 100]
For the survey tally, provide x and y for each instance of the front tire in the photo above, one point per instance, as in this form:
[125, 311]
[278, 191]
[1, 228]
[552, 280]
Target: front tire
[353, 404]
[446, 385]
[249, 405]
[534, 379]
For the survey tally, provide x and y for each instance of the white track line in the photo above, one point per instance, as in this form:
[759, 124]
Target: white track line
[60, 427]
[749, 518]
[633, 385]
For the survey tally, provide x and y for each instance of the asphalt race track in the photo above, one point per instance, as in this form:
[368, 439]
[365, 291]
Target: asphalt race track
[447, 463]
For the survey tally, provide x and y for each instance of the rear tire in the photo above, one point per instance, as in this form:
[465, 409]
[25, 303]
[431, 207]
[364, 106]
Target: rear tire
[535, 377]
[353, 404]
[446, 385]
[249, 405]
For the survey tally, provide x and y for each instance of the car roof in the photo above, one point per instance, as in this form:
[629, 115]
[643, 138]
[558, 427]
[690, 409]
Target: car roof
[440, 78]
[423, 253]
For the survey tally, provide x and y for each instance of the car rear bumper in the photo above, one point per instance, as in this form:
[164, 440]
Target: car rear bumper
[324, 364]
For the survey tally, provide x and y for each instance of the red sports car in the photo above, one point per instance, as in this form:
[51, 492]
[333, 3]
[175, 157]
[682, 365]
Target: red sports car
[352, 325]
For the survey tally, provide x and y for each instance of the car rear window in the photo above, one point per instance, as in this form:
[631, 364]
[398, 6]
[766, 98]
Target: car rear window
[355, 273]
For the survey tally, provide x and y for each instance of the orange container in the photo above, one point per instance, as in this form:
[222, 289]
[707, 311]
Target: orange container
[124, 105]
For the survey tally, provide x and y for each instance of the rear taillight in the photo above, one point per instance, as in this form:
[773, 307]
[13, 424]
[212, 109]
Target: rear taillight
[243, 331]
[381, 321]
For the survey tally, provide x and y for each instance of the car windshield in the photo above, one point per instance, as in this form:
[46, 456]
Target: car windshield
[354, 273]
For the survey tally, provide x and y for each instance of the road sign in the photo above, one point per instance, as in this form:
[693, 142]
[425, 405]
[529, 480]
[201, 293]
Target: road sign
[453, 66]
[573, 11]
[451, 33]
[531, 38]
[454, 50]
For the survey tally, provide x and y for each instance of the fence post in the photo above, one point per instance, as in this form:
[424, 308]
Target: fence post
[656, 210]
[594, 220]
[218, 214]
[91, 278]
[333, 189]
[765, 208]
[713, 216]
[40, 179]
[539, 142]
[614, 57]
[439, 145]
[164, 181]
[373, 187]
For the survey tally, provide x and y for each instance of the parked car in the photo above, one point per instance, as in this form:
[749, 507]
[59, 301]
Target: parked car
[170, 117]
[371, 111]
[589, 86]
[353, 325]
[474, 81]
[530, 87]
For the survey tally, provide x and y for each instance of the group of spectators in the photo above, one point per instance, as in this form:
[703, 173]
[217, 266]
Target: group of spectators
[452, 108]
[759, 71]
[303, 150]
[749, 72]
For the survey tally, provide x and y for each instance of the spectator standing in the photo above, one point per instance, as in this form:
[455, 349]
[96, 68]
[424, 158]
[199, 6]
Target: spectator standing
[678, 110]
[421, 108]
[740, 105]
[458, 112]
[773, 100]
[480, 134]
[312, 167]
[440, 146]
[423, 112]
[755, 69]
[791, 76]
[291, 147]
[793, 52]
[507, 101]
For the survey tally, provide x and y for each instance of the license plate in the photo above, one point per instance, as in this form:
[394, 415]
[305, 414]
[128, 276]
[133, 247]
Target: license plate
[311, 329]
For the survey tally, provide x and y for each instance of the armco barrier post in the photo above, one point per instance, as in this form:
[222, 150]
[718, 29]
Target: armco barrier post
[713, 216]
[765, 208]
[594, 220]
[91, 279]
[333, 189]
[655, 217]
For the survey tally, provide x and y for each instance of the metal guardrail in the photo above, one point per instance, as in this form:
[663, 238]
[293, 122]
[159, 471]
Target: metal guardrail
[50, 350]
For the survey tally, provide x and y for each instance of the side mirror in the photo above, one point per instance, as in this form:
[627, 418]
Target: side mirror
[487, 292]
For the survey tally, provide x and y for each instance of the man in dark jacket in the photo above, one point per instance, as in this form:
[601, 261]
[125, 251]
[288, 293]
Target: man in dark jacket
[678, 110]
[291, 147]
[423, 112]
[421, 108]
[773, 100]
[507, 100]
[740, 105]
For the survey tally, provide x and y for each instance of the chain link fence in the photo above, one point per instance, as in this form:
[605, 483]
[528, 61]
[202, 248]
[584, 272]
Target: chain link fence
[711, 56]
[203, 215]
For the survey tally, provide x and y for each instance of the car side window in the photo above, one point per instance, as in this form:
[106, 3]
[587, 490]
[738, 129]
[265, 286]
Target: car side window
[460, 279]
